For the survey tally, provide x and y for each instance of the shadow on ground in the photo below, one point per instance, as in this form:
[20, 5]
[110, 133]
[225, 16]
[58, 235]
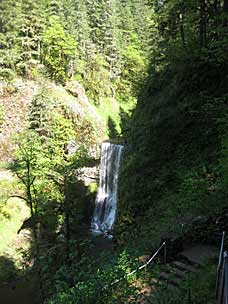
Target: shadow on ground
[13, 288]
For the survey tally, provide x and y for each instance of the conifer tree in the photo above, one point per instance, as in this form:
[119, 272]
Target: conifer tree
[56, 8]
[39, 114]
[94, 9]
[30, 32]
[58, 50]
[110, 35]
[9, 27]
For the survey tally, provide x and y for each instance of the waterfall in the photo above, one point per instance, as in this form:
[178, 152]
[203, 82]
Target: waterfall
[106, 200]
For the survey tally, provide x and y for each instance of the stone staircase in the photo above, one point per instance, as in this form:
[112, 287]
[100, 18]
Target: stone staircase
[173, 274]
[189, 261]
[176, 272]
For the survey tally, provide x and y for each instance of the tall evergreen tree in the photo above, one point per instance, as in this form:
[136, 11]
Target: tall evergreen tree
[30, 32]
[58, 50]
[9, 28]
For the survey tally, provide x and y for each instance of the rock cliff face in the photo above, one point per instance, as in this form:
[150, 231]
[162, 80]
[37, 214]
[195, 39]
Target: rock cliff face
[15, 101]
[80, 105]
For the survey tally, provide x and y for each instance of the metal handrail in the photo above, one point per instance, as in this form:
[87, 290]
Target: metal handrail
[191, 221]
[221, 250]
[143, 266]
[226, 276]
[222, 295]
[219, 267]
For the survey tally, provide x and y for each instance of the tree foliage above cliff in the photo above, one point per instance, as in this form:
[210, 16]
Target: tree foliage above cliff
[73, 39]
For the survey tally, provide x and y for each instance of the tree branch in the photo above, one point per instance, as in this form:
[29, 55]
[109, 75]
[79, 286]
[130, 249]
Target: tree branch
[20, 197]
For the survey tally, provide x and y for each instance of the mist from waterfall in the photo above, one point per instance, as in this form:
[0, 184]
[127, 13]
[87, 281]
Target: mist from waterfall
[106, 200]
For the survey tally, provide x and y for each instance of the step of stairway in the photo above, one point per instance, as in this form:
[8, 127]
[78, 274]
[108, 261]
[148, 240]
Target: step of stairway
[185, 260]
[155, 281]
[163, 283]
[169, 278]
[184, 267]
[176, 271]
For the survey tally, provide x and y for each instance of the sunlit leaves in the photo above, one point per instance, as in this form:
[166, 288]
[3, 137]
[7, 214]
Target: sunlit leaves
[59, 48]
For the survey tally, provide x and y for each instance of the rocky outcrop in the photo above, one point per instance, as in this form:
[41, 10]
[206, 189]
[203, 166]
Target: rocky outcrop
[76, 89]
[17, 96]
[88, 175]
[82, 105]
[15, 100]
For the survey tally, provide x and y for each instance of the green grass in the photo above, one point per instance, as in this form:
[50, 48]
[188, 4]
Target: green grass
[109, 108]
[13, 211]
[16, 211]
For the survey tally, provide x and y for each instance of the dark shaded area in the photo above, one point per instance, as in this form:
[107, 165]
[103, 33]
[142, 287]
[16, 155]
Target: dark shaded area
[14, 288]
[175, 130]
[8, 270]
[22, 292]
[112, 132]
[81, 204]
[124, 122]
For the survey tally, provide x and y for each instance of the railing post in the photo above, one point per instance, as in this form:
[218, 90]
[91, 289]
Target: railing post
[165, 252]
[226, 276]
[182, 228]
[189, 296]
[219, 265]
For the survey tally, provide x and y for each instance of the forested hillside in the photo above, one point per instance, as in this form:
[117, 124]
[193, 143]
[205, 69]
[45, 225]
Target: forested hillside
[150, 75]
[177, 143]
[101, 43]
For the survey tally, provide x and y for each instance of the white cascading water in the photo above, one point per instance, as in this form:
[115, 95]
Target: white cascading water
[106, 200]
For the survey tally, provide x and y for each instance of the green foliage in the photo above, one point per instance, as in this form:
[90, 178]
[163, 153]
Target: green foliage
[48, 174]
[97, 288]
[40, 113]
[9, 50]
[134, 67]
[29, 36]
[58, 50]
[104, 45]
[175, 149]
[196, 289]
[7, 74]
[97, 81]
[112, 132]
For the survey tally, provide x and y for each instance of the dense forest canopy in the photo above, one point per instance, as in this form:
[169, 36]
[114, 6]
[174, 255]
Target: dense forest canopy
[104, 44]
[149, 74]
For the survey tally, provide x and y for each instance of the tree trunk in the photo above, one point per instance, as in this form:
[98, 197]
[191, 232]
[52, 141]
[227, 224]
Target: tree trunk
[203, 31]
[30, 200]
[67, 221]
[29, 196]
[182, 31]
[226, 6]
[216, 18]
[225, 9]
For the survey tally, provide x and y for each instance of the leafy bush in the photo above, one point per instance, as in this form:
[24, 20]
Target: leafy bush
[7, 74]
[98, 288]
